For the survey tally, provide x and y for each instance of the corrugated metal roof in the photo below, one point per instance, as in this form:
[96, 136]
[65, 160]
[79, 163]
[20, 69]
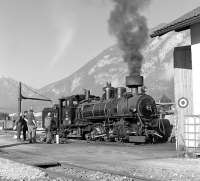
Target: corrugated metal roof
[182, 23]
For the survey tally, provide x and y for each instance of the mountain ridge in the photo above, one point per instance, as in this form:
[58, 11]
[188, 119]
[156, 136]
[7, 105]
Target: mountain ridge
[105, 66]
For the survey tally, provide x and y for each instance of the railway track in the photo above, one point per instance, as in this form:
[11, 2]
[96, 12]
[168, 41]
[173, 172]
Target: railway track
[124, 144]
[102, 143]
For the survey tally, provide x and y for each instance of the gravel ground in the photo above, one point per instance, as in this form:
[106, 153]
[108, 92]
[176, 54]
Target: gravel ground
[147, 172]
[155, 162]
[10, 170]
[164, 174]
[88, 175]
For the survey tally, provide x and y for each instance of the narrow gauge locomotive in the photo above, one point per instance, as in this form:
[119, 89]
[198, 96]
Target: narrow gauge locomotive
[117, 115]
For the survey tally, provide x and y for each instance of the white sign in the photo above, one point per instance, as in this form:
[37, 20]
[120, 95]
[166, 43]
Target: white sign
[183, 102]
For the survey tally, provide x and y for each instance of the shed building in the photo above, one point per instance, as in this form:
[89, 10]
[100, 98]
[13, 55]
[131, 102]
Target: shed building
[186, 67]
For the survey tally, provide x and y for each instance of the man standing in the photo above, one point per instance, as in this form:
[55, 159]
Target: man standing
[19, 123]
[24, 125]
[49, 127]
[31, 126]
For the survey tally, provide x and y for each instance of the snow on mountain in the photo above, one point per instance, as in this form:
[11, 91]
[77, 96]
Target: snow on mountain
[75, 83]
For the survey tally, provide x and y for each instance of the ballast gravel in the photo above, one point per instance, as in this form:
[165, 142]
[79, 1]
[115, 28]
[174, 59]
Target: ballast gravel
[10, 170]
[88, 175]
[14, 171]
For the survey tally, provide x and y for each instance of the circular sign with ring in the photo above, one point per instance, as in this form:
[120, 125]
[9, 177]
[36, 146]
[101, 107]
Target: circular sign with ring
[183, 102]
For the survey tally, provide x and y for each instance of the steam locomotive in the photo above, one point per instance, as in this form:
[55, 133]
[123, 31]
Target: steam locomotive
[119, 115]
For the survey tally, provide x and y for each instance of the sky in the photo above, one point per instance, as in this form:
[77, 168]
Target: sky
[42, 41]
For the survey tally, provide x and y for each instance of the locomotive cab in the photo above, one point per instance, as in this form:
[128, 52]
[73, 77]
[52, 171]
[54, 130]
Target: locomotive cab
[54, 111]
[67, 109]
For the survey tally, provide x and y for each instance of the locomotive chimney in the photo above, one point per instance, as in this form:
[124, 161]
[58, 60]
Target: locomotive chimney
[133, 82]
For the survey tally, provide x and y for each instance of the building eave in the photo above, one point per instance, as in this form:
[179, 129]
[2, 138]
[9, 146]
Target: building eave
[180, 24]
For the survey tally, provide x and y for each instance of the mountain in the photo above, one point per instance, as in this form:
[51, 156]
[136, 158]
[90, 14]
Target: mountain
[8, 94]
[109, 66]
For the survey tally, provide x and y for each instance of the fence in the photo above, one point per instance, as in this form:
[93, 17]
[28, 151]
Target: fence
[192, 133]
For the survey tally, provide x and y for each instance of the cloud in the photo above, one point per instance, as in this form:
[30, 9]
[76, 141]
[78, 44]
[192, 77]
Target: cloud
[64, 42]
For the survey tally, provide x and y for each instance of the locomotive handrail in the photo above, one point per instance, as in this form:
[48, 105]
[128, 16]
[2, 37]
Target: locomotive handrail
[105, 109]
[82, 110]
[117, 106]
[140, 119]
[93, 109]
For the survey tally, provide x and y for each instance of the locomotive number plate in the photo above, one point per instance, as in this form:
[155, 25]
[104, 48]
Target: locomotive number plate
[183, 102]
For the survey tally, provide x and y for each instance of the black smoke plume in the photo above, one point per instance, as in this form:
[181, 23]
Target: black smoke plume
[131, 31]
